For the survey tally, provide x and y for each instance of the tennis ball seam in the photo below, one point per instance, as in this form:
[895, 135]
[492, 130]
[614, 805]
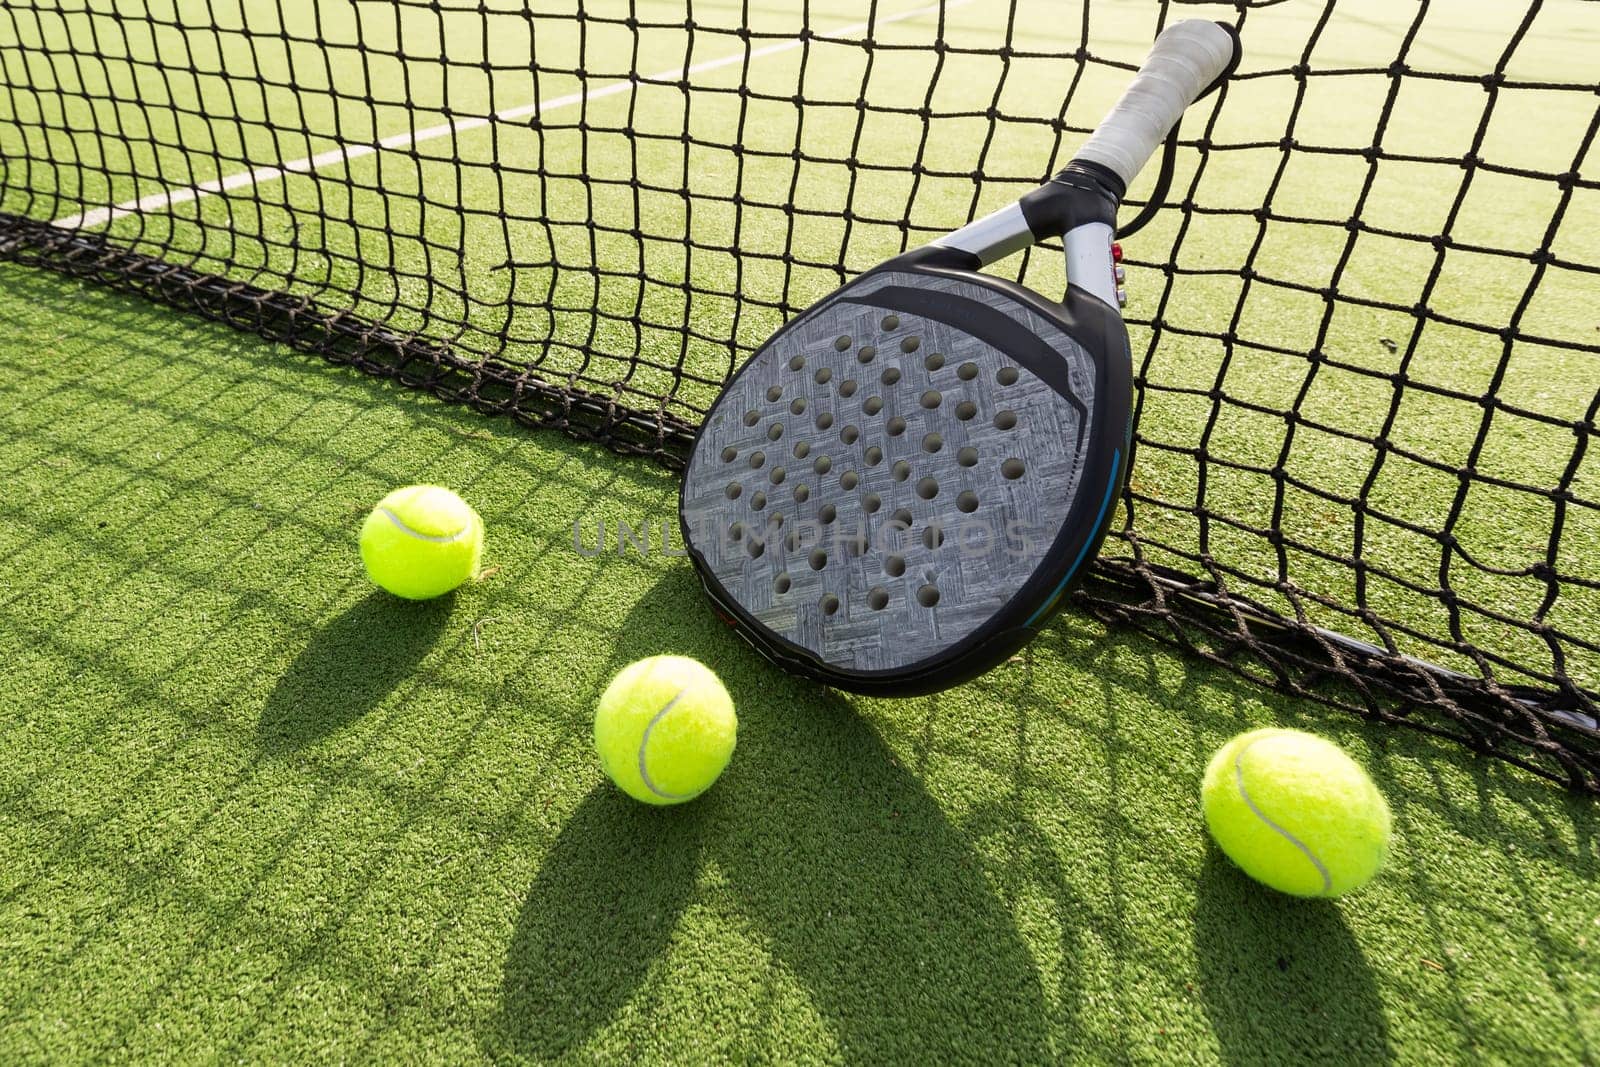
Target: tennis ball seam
[418, 534]
[1244, 794]
[644, 744]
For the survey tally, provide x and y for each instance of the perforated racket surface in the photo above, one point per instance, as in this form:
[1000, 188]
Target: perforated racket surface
[898, 476]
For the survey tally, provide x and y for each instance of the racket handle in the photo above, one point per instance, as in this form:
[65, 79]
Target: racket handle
[1187, 59]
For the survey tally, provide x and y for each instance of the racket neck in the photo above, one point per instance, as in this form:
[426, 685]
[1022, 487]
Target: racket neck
[1079, 206]
[1082, 193]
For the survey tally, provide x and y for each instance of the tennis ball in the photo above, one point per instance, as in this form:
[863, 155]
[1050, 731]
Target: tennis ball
[421, 542]
[1295, 813]
[665, 729]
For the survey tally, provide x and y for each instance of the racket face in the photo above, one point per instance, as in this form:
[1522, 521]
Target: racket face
[899, 486]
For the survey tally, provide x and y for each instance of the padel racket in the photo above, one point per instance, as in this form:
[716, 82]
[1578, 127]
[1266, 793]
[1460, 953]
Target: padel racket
[897, 489]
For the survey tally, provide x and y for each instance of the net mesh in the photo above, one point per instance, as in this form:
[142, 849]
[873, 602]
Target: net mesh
[1364, 317]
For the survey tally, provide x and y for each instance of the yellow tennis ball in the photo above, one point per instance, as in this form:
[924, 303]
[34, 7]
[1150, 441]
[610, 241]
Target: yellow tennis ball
[665, 729]
[1295, 813]
[421, 542]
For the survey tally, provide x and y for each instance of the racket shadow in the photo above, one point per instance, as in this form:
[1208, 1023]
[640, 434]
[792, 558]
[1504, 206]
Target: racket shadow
[833, 855]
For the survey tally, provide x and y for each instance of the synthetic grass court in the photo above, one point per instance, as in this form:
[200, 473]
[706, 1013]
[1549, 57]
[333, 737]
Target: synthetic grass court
[252, 809]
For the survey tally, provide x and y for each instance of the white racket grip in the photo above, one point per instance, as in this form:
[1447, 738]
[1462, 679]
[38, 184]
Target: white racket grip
[1184, 61]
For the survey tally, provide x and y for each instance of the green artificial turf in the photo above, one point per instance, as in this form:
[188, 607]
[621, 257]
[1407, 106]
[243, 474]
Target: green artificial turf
[251, 809]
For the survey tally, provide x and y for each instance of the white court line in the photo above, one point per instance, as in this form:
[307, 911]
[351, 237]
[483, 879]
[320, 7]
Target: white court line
[173, 197]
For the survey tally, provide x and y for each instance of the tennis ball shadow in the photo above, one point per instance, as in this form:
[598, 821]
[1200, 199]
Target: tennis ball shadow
[1282, 979]
[866, 894]
[606, 901]
[349, 666]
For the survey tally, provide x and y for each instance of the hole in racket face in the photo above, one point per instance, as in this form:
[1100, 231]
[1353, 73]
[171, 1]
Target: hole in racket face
[934, 468]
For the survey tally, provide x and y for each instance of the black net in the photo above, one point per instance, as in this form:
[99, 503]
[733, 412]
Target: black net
[1365, 315]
